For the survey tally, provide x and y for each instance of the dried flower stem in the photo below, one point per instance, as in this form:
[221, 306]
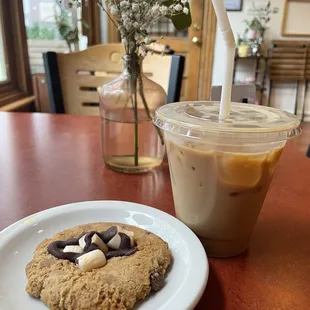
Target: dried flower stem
[133, 71]
[147, 110]
[109, 16]
[136, 124]
[136, 133]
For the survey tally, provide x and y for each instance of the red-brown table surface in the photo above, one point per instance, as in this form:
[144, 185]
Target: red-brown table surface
[49, 160]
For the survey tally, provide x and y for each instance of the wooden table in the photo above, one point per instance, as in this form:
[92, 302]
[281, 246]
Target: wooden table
[49, 160]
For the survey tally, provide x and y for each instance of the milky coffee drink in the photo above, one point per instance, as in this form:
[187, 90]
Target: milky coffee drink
[221, 171]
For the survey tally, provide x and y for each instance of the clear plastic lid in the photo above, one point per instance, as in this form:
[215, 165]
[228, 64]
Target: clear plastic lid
[202, 117]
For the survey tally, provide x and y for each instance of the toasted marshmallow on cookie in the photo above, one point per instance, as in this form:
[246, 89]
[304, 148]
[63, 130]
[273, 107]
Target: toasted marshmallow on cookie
[73, 249]
[91, 260]
[115, 242]
[96, 240]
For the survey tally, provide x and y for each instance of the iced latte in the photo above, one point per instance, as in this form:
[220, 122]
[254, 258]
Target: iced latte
[220, 173]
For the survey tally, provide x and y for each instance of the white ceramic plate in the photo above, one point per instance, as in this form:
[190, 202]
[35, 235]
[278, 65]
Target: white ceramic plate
[185, 282]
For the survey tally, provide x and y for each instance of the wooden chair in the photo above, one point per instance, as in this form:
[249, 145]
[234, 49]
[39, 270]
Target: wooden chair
[245, 93]
[287, 61]
[73, 78]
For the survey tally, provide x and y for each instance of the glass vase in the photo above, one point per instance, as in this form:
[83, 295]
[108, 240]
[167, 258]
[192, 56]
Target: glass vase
[130, 141]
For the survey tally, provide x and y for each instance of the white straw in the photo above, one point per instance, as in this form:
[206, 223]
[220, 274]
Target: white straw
[229, 40]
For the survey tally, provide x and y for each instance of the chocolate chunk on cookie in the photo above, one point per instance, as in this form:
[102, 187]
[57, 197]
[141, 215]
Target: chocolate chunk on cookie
[157, 281]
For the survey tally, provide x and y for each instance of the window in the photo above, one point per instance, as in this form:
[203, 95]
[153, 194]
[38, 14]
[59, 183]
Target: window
[43, 19]
[165, 28]
[15, 80]
[28, 29]
[43, 33]
[3, 70]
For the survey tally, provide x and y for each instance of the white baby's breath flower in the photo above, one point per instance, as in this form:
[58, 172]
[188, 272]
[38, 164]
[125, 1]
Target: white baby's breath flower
[114, 10]
[124, 15]
[155, 10]
[186, 11]
[127, 24]
[135, 7]
[147, 40]
[138, 36]
[124, 4]
[178, 7]
[135, 18]
[163, 10]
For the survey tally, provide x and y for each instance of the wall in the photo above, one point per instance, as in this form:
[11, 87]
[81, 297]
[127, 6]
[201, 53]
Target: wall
[283, 95]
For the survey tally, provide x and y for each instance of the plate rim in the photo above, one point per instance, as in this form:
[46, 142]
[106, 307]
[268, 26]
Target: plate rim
[14, 228]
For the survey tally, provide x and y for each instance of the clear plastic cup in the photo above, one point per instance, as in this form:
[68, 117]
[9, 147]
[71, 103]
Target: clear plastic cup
[221, 170]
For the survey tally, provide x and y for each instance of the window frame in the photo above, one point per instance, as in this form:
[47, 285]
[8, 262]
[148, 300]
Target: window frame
[18, 85]
[91, 16]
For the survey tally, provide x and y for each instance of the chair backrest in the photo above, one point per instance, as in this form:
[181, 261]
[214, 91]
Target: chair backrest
[73, 79]
[308, 63]
[245, 93]
[287, 61]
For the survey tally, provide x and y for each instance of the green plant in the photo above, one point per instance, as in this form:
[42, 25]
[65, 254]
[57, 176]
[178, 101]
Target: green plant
[254, 24]
[262, 18]
[69, 32]
[63, 22]
[241, 40]
[264, 13]
[39, 32]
